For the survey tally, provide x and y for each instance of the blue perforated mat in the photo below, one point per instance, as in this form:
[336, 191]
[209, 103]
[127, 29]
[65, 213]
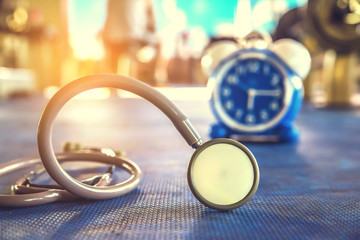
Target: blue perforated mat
[307, 190]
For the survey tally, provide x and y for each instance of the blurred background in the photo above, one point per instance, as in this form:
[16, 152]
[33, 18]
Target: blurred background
[46, 44]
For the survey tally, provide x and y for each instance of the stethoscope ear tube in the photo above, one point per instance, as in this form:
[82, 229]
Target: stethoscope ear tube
[29, 195]
[55, 104]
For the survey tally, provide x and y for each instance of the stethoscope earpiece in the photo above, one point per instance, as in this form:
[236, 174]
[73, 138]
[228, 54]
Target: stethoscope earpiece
[26, 194]
[223, 174]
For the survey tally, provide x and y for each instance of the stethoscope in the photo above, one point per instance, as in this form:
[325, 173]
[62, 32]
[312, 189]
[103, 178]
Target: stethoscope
[222, 173]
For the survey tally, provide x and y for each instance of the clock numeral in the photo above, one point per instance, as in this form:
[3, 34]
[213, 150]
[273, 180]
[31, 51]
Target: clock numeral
[278, 92]
[239, 113]
[250, 118]
[274, 106]
[240, 69]
[266, 69]
[229, 105]
[275, 79]
[232, 79]
[264, 115]
[226, 92]
[253, 66]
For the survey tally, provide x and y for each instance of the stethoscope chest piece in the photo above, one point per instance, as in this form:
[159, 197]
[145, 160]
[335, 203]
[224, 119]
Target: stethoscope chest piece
[223, 174]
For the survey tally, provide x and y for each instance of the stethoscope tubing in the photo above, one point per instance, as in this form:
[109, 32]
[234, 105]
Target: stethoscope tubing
[55, 104]
[41, 196]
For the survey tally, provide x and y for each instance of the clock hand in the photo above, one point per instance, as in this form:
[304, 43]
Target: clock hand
[251, 98]
[242, 87]
[252, 93]
[271, 93]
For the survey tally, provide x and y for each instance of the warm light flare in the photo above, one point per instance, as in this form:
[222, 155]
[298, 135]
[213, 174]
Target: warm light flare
[17, 22]
[86, 48]
[85, 23]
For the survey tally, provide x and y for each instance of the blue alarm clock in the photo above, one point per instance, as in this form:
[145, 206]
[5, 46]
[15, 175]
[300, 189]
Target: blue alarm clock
[257, 90]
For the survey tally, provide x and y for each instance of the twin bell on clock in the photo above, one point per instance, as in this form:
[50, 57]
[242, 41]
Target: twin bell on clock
[256, 87]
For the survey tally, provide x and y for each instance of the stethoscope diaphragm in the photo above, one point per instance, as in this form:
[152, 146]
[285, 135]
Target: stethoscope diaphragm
[223, 174]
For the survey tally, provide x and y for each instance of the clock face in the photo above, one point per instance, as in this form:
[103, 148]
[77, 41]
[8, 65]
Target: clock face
[252, 94]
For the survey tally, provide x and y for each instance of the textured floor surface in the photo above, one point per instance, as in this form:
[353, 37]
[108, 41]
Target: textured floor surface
[307, 190]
